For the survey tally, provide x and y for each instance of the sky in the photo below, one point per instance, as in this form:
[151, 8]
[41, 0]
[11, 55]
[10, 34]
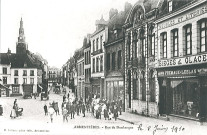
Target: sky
[53, 28]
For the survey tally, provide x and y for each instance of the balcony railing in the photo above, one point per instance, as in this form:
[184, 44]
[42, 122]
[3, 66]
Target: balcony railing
[97, 52]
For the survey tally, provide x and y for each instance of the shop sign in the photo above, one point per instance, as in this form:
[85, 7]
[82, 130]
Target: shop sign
[196, 59]
[184, 72]
[183, 18]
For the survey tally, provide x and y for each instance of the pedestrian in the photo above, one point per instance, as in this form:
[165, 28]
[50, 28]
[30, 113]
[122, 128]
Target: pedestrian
[115, 112]
[56, 108]
[120, 106]
[35, 95]
[68, 95]
[99, 111]
[51, 112]
[106, 114]
[65, 114]
[72, 110]
[13, 112]
[45, 109]
[64, 97]
[110, 115]
[83, 109]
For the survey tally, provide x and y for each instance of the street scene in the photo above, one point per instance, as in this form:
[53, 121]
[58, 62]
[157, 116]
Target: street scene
[103, 67]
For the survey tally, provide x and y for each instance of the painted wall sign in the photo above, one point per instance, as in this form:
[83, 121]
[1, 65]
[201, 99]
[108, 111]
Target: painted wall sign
[185, 72]
[189, 60]
[183, 18]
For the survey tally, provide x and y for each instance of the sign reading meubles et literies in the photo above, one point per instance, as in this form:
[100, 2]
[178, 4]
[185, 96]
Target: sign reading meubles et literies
[189, 60]
[183, 18]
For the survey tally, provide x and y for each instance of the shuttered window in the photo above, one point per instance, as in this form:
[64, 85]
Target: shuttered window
[163, 47]
[175, 42]
[188, 39]
[203, 36]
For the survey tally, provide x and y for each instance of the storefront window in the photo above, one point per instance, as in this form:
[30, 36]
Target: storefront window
[185, 97]
[15, 89]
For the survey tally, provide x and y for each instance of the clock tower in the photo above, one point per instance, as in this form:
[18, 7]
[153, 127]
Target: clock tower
[21, 45]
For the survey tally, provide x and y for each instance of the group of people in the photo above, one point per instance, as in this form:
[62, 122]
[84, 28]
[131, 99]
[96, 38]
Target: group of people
[70, 107]
[53, 109]
[108, 109]
[16, 111]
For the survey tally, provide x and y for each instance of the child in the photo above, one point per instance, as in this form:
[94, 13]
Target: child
[110, 115]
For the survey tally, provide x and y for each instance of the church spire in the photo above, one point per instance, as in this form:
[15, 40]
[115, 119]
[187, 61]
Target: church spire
[21, 37]
[21, 46]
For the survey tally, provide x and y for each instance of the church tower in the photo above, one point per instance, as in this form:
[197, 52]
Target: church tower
[21, 45]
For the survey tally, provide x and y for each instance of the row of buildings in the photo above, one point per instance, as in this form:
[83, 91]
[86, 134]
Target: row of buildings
[152, 56]
[23, 70]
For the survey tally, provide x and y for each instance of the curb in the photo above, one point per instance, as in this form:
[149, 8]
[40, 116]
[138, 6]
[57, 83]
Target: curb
[126, 121]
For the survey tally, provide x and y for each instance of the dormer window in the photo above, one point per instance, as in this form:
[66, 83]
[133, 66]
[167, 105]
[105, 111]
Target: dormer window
[115, 33]
[170, 5]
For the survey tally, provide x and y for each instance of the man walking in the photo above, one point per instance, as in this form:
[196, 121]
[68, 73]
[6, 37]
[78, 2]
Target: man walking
[51, 112]
[83, 109]
[45, 109]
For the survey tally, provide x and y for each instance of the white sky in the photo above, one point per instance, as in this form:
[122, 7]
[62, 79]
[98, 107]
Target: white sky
[53, 28]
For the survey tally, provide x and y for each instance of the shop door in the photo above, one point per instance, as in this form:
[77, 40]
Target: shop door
[203, 99]
[162, 97]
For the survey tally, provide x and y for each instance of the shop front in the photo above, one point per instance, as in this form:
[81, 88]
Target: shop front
[183, 91]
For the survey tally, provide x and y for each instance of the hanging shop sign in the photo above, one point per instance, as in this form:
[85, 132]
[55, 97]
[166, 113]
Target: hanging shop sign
[196, 59]
[184, 72]
[183, 18]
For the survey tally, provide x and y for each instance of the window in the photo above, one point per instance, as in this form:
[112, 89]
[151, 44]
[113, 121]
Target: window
[142, 39]
[24, 80]
[175, 43]
[89, 56]
[31, 80]
[170, 5]
[97, 64]
[135, 84]
[4, 80]
[15, 89]
[135, 44]
[153, 45]
[119, 59]
[108, 61]
[4, 70]
[83, 68]
[129, 46]
[101, 42]
[16, 81]
[93, 45]
[101, 63]
[164, 45]
[24, 72]
[188, 39]
[93, 65]
[113, 60]
[31, 72]
[15, 72]
[97, 41]
[203, 36]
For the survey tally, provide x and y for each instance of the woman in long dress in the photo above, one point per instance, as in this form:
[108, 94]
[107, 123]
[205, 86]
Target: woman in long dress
[13, 113]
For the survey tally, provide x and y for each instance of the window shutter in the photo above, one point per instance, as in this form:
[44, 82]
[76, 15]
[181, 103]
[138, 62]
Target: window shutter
[161, 46]
[184, 41]
[199, 36]
[171, 44]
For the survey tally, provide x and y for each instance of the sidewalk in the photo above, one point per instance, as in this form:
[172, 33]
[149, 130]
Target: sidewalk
[192, 127]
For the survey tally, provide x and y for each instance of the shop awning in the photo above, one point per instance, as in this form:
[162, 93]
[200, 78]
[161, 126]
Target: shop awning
[40, 87]
[2, 86]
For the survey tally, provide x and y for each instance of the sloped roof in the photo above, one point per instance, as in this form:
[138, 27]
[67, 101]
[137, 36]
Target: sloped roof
[19, 60]
[116, 22]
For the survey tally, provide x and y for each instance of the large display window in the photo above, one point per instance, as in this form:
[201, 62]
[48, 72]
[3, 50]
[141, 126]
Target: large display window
[186, 96]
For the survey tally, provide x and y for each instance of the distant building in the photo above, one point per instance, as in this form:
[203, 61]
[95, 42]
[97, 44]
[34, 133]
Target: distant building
[20, 71]
[97, 57]
[54, 76]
